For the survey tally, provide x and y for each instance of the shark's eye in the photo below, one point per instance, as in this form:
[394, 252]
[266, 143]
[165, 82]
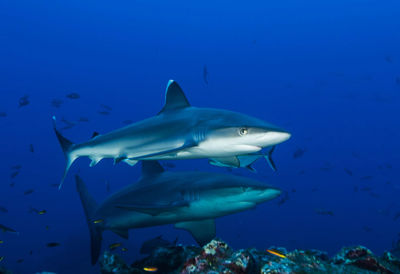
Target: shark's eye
[243, 131]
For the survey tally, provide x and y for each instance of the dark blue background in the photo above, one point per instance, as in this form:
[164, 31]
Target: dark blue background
[324, 70]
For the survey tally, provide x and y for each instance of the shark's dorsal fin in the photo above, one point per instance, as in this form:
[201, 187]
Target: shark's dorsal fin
[174, 97]
[150, 168]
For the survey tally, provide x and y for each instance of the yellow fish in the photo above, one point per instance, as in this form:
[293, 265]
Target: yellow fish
[1, 258]
[150, 269]
[41, 212]
[98, 221]
[1, 241]
[276, 253]
[124, 249]
[114, 246]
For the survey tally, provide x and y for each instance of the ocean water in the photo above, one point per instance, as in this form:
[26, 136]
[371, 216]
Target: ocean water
[327, 71]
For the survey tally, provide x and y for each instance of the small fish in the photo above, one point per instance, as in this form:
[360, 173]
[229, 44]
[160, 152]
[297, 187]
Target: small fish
[106, 107]
[1, 258]
[366, 188]
[114, 246]
[7, 229]
[324, 212]
[31, 149]
[57, 103]
[98, 221]
[348, 171]
[3, 114]
[150, 269]
[276, 253]
[53, 244]
[3, 209]
[29, 191]
[298, 153]
[34, 210]
[23, 101]
[205, 74]
[1, 241]
[14, 174]
[83, 119]
[47, 227]
[104, 112]
[73, 95]
[124, 249]
[20, 261]
[367, 228]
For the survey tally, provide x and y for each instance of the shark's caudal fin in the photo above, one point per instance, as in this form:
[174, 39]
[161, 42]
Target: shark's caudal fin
[66, 146]
[89, 207]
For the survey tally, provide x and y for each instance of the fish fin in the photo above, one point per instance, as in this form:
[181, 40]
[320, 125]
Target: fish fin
[174, 97]
[202, 231]
[130, 162]
[67, 146]
[124, 233]
[251, 169]
[95, 133]
[89, 207]
[187, 144]
[153, 209]
[95, 161]
[119, 159]
[225, 161]
[268, 157]
[151, 167]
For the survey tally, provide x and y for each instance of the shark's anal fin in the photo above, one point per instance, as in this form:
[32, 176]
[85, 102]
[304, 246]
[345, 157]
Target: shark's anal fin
[202, 231]
[124, 233]
[268, 157]
[225, 161]
[130, 162]
[174, 97]
[94, 161]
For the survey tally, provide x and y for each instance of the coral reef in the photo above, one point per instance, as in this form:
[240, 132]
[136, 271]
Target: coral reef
[218, 257]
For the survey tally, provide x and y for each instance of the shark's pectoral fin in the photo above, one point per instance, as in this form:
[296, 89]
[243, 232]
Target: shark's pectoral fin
[124, 233]
[268, 157]
[225, 161]
[202, 231]
[153, 209]
[187, 144]
[130, 162]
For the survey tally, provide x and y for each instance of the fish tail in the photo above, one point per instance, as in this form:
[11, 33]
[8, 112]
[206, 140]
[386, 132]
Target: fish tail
[67, 147]
[89, 207]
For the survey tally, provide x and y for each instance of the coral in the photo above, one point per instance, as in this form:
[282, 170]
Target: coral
[218, 257]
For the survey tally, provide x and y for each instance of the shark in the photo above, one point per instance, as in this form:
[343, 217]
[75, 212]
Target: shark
[181, 131]
[190, 200]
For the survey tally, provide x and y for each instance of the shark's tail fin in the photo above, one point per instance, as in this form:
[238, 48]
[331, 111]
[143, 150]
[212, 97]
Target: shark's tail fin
[89, 207]
[67, 147]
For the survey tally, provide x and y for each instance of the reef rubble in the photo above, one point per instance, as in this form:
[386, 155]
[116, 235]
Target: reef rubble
[218, 257]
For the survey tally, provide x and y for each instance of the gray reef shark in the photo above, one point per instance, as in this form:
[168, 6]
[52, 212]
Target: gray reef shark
[190, 200]
[181, 131]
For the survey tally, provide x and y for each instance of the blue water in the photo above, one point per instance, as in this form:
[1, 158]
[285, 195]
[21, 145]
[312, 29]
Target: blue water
[324, 70]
